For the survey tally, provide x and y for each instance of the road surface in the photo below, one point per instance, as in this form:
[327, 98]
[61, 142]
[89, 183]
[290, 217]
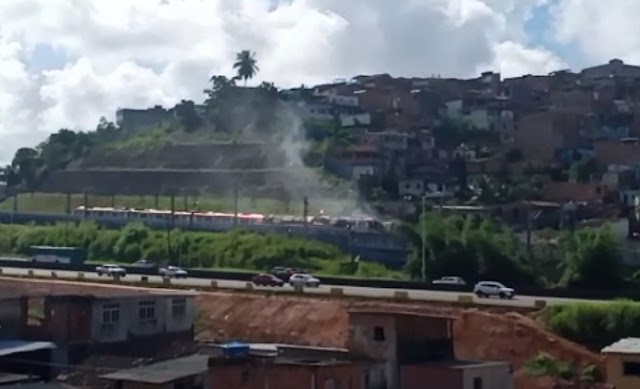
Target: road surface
[353, 291]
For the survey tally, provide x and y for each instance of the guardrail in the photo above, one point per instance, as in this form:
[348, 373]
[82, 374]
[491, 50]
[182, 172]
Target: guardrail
[631, 293]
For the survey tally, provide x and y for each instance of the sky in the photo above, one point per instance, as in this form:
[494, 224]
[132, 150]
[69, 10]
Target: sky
[66, 63]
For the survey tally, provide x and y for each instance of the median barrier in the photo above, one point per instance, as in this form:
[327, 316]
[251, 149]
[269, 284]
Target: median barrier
[0, 270]
[80, 276]
[336, 292]
[214, 284]
[401, 295]
[54, 274]
[249, 286]
[30, 273]
[298, 288]
[166, 281]
[144, 279]
[463, 298]
[540, 304]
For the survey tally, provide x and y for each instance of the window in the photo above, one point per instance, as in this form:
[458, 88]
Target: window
[110, 313]
[477, 383]
[179, 307]
[147, 310]
[631, 368]
[378, 334]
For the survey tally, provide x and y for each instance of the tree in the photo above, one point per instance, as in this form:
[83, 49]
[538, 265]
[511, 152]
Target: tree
[593, 259]
[246, 65]
[25, 163]
[582, 170]
[187, 115]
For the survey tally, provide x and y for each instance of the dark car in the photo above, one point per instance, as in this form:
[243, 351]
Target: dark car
[145, 264]
[284, 273]
[267, 280]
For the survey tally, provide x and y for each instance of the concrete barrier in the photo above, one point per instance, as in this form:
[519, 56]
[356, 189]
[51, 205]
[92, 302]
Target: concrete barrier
[298, 288]
[540, 304]
[0, 270]
[81, 276]
[401, 295]
[54, 274]
[166, 281]
[30, 273]
[144, 279]
[214, 284]
[336, 292]
[249, 286]
[463, 298]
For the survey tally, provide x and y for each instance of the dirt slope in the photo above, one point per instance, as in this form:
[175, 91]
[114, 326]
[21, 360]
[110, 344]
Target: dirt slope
[479, 335]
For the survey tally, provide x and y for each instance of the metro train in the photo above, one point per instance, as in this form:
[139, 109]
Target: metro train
[221, 219]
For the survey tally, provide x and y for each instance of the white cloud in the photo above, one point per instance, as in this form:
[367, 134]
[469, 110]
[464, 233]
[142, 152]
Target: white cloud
[602, 30]
[138, 53]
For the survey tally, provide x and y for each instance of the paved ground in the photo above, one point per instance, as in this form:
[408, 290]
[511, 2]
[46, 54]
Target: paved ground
[425, 295]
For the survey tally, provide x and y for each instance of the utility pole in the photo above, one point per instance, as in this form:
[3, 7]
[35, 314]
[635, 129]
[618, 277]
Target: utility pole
[423, 219]
[235, 202]
[305, 209]
[170, 227]
[67, 207]
[86, 204]
[528, 221]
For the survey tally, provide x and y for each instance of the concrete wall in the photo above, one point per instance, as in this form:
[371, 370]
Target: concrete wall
[493, 375]
[615, 371]
[131, 323]
[363, 329]
[415, 377]
[252, 375]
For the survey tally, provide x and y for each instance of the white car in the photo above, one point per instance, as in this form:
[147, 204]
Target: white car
[300, 279]
[173, 272]
[111, 271]
[456, 281]
[491, 288]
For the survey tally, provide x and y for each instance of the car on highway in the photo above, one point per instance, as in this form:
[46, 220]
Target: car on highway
[449, 281]
[172, 272]
[284, 273]
[493, 289]
[303, 279]
[111, 270]
[265, 279]
[144, 264]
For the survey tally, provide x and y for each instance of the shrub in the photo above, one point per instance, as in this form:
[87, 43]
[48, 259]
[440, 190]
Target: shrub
[237, 249]
[593, 324]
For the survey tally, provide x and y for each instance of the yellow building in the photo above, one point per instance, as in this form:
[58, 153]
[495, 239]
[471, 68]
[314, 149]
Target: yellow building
[623, 363]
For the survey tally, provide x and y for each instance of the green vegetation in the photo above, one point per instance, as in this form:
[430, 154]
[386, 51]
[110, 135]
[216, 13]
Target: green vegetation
[595, 325]
[236, 249]
[545, 365]
[470, 248]
[478, 249]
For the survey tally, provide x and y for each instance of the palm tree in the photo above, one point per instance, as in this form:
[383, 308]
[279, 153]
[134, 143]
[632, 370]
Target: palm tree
[246, 65]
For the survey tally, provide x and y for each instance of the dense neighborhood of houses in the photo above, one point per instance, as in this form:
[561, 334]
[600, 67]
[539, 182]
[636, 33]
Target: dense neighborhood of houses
[569, 137]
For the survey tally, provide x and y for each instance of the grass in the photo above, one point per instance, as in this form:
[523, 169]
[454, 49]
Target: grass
[55, 203]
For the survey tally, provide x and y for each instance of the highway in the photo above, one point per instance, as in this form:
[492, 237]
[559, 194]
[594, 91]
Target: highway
[352, 291]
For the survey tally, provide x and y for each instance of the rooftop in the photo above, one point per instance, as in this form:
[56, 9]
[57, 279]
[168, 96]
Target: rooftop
[383, 312]
[45, 288]
[163, 372]
[623, 346]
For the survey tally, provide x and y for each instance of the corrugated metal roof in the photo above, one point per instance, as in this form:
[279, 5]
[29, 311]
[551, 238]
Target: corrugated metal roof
[623, 346]
[9, 347]
[163, 372]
